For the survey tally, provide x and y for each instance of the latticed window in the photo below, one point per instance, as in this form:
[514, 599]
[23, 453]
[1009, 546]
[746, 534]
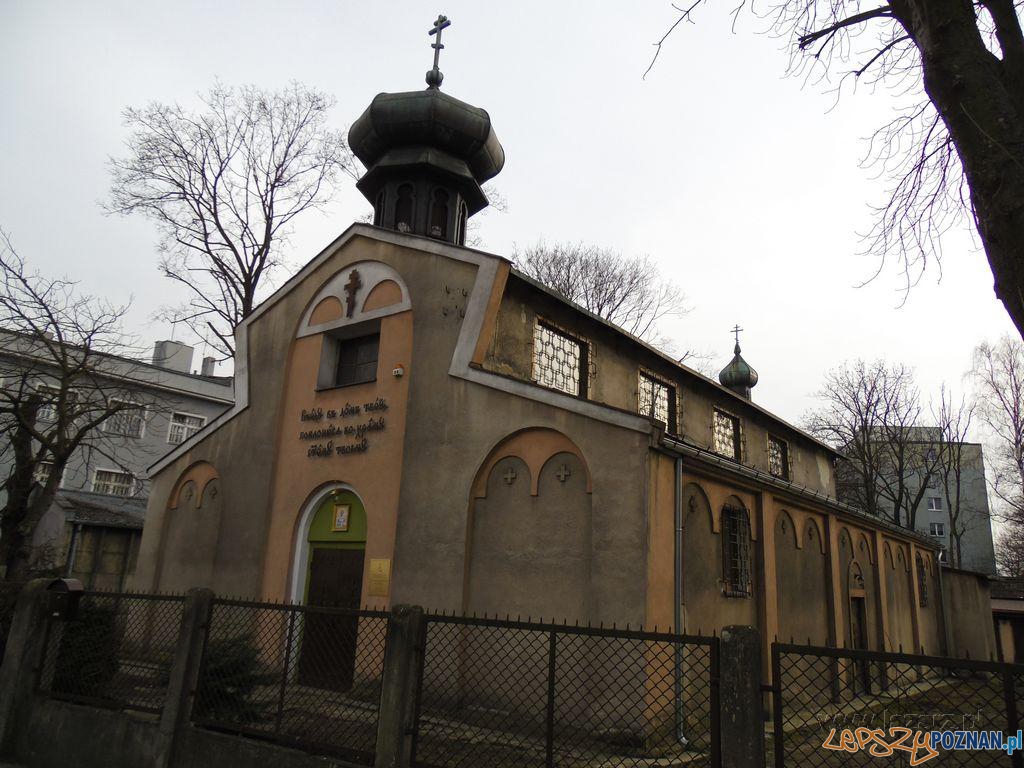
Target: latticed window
[127, 422]
[183, 426]
[657, 401]
[922, 583]
[736, 552]
[778, 457]
[727, 435]
[113, 483]
[559, 360]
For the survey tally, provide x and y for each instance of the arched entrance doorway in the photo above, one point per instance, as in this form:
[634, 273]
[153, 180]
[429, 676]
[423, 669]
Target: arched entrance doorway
[329, 563]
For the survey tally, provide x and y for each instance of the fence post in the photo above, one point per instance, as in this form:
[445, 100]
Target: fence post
[184, 673]
[398, 687]
[739, 698]
[22, 659]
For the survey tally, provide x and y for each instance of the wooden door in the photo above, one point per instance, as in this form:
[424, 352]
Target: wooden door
[327, 658]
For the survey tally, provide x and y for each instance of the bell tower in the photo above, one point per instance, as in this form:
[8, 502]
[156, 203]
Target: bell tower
[426, 154]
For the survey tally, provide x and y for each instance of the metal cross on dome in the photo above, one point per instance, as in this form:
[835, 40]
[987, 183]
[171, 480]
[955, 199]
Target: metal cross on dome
[434, 76]
[736, 332]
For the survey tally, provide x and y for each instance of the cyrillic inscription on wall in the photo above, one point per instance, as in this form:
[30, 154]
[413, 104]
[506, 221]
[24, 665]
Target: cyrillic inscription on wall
[343, 430]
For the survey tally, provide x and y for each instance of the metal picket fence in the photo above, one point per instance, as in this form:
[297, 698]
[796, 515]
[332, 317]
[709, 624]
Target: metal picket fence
[302, 676]
[519, 694]
[116, 653]
[818, 693]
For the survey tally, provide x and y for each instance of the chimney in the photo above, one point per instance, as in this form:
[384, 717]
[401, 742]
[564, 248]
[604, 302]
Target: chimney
[173, 356]
[208, 365]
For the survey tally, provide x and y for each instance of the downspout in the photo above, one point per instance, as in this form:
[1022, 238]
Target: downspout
[677, 608]
[943, 605]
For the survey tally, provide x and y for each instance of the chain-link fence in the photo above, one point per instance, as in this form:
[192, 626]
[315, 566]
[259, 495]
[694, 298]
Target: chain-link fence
[835, 707]
[116, 652]
[517, 694]
[303, 676]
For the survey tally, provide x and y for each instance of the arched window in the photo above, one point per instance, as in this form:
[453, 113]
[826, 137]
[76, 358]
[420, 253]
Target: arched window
[404, 208]
[439, 214]
[736, 581]
[922, 583]
[463, 217]
[378, 209]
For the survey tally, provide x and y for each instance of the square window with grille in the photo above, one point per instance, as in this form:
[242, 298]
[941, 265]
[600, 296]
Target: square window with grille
[357, 360]
[727, 435]
[736, 580]
[113, 483]
[778, 457]
[657, 400]
[128, 421]
[937, 529]
[559, 360]
[183, 426]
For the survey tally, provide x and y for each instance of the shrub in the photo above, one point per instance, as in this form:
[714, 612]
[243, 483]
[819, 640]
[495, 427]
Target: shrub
[87, 657]
[231, 673]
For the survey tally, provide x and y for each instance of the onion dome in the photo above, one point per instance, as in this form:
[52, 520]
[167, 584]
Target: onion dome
[738, 375]
[426, 155]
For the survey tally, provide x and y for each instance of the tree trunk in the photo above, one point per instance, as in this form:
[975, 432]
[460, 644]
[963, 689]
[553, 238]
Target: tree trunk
[981, 100]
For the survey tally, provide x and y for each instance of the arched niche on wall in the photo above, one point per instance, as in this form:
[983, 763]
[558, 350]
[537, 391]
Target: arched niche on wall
[529, 535]
[813, 537]
[702, 556]
[357, 293]
[191, 530]
[785, 530]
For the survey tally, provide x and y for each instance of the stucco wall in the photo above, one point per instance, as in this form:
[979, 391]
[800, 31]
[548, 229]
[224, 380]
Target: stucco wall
[969, 605]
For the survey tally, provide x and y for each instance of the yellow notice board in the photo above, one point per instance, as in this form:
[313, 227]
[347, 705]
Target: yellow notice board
[380, 577]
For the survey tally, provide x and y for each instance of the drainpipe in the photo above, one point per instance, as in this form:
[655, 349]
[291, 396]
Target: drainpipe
[677, 608]
[946, 632]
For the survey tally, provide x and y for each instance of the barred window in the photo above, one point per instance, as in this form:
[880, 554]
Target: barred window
[736, 552]
[778, 457]
[113, 483]
[657, 401]
[183, 426]
[922, 583]
[559, 360]
[127, 422]
[727, 435]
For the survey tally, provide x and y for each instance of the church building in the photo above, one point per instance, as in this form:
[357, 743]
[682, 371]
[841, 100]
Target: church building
[418, 422]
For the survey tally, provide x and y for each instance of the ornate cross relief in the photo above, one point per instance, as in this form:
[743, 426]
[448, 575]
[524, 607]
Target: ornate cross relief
[563, 473]
[510, 476]
[351, 287]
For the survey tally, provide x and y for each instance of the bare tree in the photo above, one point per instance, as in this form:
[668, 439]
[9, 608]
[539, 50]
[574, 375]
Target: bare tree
[954, 420]
[224, 186]
[958, 150]
[61, 391]
[869, 413]
[1010, 551]
[629, 292]
[998, 377]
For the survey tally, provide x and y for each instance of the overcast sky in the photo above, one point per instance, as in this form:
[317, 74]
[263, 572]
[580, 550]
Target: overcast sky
[742, 183]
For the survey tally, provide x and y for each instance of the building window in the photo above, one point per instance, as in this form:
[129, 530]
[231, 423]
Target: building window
[727, 435]
[42, 472]
[51, 395]
[439, 214]
[922, 583]
[736, 552]
[937, 529]
[934, 504]
[404, 208]
[113, 483]
[778, 457]
[357, 360]
[183, 426]
[128, 421]
[657, 400]
[559, 360]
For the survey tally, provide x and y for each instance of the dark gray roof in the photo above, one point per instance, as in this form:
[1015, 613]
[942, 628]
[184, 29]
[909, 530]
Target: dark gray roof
[102, 510]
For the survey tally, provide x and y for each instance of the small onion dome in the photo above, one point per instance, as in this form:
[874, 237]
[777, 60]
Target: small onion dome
[738, 375]
[427, 131]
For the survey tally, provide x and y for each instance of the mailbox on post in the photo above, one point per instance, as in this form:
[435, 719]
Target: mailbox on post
[65, 595]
